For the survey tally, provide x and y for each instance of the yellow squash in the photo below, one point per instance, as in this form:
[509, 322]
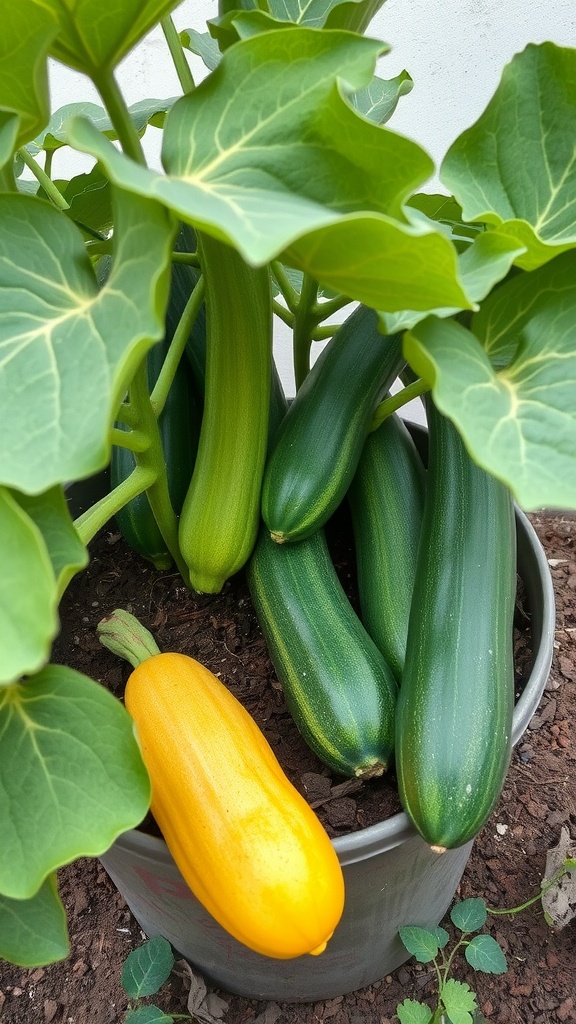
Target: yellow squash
[249, 846]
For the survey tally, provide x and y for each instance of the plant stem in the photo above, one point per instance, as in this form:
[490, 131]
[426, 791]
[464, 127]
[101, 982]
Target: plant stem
[48, 162]
[284, 314]
[191, 258]
[177, 53]
[327, 308]
[288, 291]
[134, 440]
[322, 333]
[126, 414]
[305, 323]
[90, 522]
[176, 350]
[533, 899]
[54, 194]
[120, 116]
[153, 459]
[394, 402]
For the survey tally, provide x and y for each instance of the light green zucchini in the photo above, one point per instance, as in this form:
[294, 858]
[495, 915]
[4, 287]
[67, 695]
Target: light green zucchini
[220, 515]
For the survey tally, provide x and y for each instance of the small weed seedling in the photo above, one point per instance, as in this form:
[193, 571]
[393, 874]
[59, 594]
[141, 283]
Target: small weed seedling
[456, 1000]
[144, 972]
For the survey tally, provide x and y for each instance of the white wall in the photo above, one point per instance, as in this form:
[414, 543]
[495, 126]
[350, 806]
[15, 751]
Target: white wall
[454, 50]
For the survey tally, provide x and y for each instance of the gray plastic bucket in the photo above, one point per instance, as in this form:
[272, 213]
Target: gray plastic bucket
[392, 877]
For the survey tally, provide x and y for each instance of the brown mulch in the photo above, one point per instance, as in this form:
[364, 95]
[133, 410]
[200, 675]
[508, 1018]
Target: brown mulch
[505, 868]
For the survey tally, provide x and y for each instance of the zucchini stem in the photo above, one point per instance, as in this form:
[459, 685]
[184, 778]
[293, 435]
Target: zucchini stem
[134, 440]
[191, 258]
[393, 402]
[119, 114]
[177, 53]
[305, 322]
[322, 310]
[283, 314]
[53, 193]
[125, 636]
[176, 350]
[90, 522]
[285, 285]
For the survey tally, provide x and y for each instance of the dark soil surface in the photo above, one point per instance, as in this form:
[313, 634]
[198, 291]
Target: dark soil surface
[506, 866]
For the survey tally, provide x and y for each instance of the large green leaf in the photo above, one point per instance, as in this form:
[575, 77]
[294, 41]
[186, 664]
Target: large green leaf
[382, 263]
[482, 264]
[24, 41]
[266, 151]
[94, 36]
[509, 387]
[203, 45]
[379, 100]
[33, 931]
[28, 594]
[142, 113]
[71, 776]
[516, 167]
[67, 348]
[49, 511]
[90, 200]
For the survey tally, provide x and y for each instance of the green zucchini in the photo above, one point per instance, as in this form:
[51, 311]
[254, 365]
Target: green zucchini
[337, 686]
[387, 500]
[220, 515]
[319, 444]
[454, 716]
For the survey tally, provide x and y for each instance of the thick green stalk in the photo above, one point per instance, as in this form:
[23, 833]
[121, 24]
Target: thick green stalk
[120, 116]
[53, 193]
[191, 258]
[322, 310]
[286, 287]
[90, 522]
[177, 53]
[284, 314]
[134, 440]
[305, 322]
[393, 402]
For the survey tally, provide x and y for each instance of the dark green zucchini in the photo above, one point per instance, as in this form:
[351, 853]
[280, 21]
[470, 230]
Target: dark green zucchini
[319, 443]
[387, 501]
[179, 425]
[454, 716]
[336, 683]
